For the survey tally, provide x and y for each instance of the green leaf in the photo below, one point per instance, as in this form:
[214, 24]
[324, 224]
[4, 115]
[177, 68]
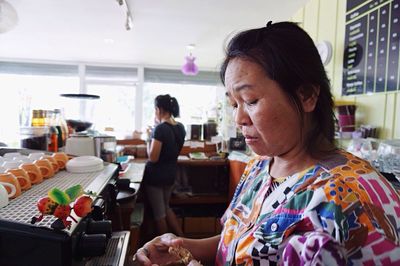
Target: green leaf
[59, 196]
[74, 192]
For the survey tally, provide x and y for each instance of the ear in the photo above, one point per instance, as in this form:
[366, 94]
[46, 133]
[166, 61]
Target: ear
[308, 98]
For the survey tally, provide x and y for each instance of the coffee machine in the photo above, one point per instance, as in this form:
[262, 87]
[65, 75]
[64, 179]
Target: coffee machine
[102, 146]
[88, 241]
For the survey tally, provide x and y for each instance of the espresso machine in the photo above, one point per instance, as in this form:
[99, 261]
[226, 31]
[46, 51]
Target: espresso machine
[88, 241]
[102, 146]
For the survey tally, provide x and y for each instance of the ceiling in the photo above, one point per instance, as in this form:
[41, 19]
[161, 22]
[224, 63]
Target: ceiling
[94, 30]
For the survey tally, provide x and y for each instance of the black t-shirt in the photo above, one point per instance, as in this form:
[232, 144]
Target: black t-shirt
[163, 172]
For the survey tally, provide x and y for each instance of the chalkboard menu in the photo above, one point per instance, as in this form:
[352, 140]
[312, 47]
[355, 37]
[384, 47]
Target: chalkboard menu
[371, 55]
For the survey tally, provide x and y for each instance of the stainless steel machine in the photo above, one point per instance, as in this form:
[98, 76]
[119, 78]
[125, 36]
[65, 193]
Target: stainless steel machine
[89, 241]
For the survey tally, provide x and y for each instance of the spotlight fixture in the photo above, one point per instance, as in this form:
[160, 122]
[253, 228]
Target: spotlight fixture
[129, 20]
[128, 23]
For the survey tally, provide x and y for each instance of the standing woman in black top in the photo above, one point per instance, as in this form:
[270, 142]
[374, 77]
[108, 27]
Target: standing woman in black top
[163, 149]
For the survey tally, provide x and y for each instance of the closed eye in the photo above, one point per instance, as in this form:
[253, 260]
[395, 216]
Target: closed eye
[252, 103]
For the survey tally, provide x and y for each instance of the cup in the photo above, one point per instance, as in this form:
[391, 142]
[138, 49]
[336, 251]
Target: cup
[61, 158]
[53, 163]
[45, 168]
[22, 176]
[9, 180]
[11, 164]
[4, 194]
[21, 158]
[34, 173]
[2, 169]
[35, 155]
[11, 154]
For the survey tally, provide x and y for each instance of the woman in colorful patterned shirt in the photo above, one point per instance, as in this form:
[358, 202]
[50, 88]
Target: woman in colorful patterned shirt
[302, 201]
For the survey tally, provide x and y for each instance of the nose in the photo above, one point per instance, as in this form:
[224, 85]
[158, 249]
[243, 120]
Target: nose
[242, 117]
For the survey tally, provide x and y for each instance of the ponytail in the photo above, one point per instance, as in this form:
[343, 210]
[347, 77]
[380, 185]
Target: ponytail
[174, 107]
[168, 104]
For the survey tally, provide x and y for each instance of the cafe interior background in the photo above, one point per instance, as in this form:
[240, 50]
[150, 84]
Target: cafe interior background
[129, 51]
[75, 47]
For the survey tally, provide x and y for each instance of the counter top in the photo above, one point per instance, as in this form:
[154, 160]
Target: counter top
[135, 171]
[208, 162]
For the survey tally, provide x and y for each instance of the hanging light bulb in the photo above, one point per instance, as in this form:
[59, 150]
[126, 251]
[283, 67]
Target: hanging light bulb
[190, 68]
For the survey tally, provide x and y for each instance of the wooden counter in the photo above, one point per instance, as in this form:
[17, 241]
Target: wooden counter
[208, 162]
[207, 180]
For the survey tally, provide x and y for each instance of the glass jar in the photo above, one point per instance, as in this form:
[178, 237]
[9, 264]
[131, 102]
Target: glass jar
[79, 110]
[389, 157]
[35, 138]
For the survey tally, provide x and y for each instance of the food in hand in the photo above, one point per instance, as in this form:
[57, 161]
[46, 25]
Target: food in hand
[184, 256]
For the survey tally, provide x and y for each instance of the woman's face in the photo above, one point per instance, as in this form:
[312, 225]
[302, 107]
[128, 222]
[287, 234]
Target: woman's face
[157, 115]
[263, 112]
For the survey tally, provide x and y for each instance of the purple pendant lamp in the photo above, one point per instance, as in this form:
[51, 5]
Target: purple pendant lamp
[190, 68]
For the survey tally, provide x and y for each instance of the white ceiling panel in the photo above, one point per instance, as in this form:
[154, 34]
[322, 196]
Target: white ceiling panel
[94, 30]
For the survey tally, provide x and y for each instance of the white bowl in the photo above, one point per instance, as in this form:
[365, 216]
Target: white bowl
[84, 164]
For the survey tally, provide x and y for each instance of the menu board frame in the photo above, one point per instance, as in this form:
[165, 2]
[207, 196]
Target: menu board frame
[372, 42]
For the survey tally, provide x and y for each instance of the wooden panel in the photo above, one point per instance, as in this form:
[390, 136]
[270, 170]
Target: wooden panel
[192, 162]
[212, 148]
[327, 28]
[370, 110]
[396, 133]
[236, 170]
[311, 11]
[298, 17]
[382, 110]
[199, 199]
[130, 142]
[389, 116]
[339, 49]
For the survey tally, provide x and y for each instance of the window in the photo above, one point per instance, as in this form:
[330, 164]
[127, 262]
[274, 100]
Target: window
[30, 86]
[198, 96]
[116, 86]
[115, 109]
[26, 87]
[197, 102]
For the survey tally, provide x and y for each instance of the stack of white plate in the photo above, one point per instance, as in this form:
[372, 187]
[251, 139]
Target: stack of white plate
[84, 164]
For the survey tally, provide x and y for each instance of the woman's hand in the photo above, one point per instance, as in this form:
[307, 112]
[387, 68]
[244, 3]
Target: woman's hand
[149, 131]
[156, 252]
[194, 263]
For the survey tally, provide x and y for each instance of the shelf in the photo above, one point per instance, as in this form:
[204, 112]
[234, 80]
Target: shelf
[207, 162]
[199, 199]
[344, 102]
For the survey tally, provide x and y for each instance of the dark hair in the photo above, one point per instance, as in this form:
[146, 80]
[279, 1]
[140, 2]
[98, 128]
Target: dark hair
[289, 57]
[168, 104]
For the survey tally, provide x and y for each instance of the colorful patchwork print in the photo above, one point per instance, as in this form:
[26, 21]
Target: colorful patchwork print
[338, 212]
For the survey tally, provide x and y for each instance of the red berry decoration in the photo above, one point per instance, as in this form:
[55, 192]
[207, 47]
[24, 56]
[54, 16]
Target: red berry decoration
[83, 205]
[62, 211]
[58, 204]
[46, 205]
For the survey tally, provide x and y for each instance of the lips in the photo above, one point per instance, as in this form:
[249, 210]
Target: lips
[250, 139]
